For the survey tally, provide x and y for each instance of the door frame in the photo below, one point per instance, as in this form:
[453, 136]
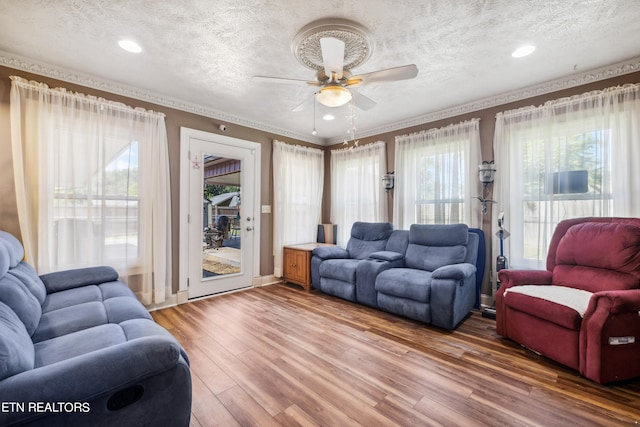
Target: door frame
[216, 139]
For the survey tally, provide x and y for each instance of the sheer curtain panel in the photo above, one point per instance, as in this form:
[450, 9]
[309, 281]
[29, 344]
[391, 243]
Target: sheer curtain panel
[436, 179]
[357, 193]
[92, 185]
[572, 157]
[298, 176]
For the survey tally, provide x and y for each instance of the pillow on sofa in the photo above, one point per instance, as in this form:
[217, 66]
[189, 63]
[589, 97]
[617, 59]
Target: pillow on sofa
[16, 349]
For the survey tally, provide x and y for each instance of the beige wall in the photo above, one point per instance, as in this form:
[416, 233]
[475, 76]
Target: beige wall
[176, 119]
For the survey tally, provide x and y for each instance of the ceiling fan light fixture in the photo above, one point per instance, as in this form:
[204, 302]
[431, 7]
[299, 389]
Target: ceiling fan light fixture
[333, 96]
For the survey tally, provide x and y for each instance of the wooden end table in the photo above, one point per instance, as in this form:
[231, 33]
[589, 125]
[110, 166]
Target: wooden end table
[296, 262]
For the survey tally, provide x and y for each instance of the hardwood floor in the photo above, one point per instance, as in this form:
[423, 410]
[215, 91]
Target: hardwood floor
[279, 356]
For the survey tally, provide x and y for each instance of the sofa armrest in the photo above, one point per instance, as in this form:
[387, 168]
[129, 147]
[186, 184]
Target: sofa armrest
[89, 376]
[453, 294]
[68, 279]
[454, 271]
[610, 336]
[509, 278]
[386, 256]
[330, 252]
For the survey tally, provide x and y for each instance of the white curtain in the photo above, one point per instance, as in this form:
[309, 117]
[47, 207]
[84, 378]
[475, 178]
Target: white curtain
[92, 185]
[357, 193]
[298, 177]
[568, 158]
[436, 179]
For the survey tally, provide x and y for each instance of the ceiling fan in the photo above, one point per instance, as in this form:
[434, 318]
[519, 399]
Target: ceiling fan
[333, 76]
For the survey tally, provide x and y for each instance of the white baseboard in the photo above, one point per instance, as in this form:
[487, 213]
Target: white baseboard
[169, 302]
[265, 280]
[486, 300]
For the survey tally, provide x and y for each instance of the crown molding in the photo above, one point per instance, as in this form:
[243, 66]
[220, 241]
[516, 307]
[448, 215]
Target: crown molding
[32, 66]
[567, 82]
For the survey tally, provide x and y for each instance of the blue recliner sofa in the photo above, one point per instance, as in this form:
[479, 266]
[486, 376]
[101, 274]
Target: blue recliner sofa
[430, 273]
[78, 349]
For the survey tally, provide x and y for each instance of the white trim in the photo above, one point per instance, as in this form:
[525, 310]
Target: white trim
[185, 135]
[266, 280]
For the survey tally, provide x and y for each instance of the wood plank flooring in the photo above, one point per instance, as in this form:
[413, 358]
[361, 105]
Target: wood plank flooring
[279, 356]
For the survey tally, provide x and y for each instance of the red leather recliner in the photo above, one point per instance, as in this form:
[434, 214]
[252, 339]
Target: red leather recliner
[584, 310]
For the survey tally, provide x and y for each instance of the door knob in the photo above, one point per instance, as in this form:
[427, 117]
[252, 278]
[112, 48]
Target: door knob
[249, 228]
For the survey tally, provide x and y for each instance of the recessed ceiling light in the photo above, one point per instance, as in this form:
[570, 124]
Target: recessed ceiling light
[523, 51]
[328, 117]
[130, 46]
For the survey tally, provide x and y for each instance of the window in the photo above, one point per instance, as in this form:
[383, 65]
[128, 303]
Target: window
[567, 155]
[298, 177]
[435, 179]
[357, 193]
[102, 221]
[92, 186]
[568, 158]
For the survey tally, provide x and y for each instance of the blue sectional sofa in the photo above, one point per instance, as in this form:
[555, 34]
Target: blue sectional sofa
[430, 273]
[78, 349]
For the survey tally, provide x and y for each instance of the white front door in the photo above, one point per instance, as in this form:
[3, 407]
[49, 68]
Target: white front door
[219, 225]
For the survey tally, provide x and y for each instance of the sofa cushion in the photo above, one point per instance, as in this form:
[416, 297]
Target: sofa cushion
[340, 269]
[70, 319]
[405, 283]
[75, 296]
[592, 279]
[18, 268]
[14, 248]
[601, 245]
[433, 246]
[16, 295]
[77, 343]
[561, 305]
[16, 348]
[28, 276]
[120, 309]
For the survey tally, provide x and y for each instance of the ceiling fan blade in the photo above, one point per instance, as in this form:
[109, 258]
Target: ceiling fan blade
[268, 79]
[332, 56]
[404, 72]
[361, 101]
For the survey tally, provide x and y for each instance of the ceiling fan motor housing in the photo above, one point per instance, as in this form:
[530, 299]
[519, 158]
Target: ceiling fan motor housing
[358, 44]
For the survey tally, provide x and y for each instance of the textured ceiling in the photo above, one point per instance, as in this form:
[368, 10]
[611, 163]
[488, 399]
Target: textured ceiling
[200, 55]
